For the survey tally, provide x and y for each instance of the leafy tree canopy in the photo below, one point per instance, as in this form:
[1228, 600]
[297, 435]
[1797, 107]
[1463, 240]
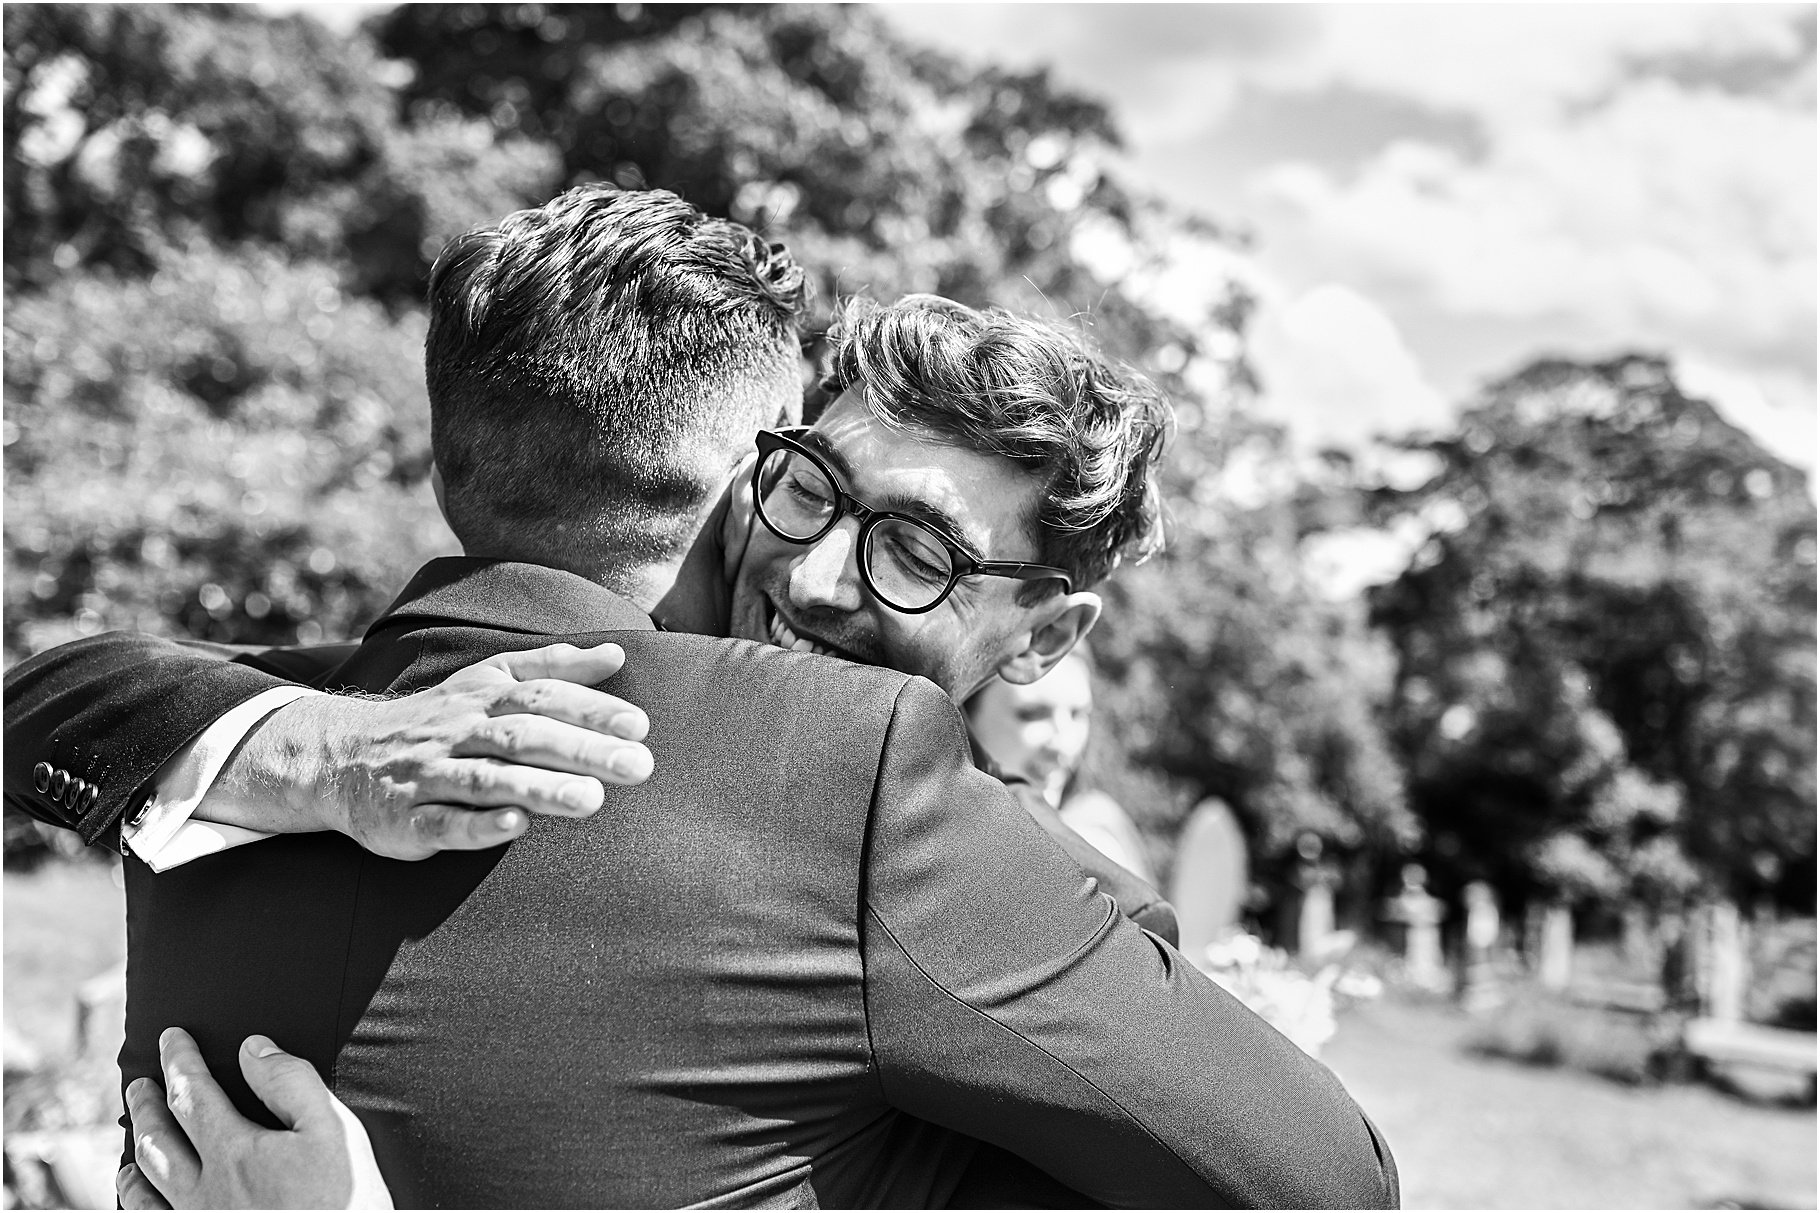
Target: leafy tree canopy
[1609, 641]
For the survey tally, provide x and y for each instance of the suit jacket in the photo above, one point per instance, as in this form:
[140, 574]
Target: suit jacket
[817, 958]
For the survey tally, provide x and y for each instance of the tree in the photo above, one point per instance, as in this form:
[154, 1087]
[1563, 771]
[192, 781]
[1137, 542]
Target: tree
[885, 167]
[1608, 642]
[133, 130]
[1230, 673]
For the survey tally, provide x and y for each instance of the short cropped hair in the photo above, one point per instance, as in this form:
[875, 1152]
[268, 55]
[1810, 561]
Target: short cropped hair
[1093, 431]
[600, 361]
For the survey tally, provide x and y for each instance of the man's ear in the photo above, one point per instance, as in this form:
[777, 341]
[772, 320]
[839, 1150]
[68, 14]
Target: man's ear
[1060, 624]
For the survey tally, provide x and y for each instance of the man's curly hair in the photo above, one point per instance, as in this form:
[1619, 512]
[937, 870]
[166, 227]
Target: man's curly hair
[599, 361]
[1092, 430]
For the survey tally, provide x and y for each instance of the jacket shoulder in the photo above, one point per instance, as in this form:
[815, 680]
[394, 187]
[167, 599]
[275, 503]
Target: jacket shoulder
[810, 676]
[748, 685]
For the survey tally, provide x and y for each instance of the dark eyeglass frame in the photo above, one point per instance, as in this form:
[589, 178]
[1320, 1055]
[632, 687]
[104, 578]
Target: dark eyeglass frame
[960, 563]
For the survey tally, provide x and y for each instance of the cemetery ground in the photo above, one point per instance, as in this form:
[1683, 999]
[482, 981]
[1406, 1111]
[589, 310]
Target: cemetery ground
[1477, 1132]
[1469, 1131]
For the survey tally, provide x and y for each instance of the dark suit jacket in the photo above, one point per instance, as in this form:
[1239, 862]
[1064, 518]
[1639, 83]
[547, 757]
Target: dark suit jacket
[817, 958]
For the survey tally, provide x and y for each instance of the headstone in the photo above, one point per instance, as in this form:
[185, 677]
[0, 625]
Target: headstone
[1724, 995]
[21, 1055]
[1420, 913]
[1314, 920]
[101, 1011]
[1212, 875]
[1533, 912]
[1638, 942]
[1680, 964]
[1555, 965]
[1480, 984]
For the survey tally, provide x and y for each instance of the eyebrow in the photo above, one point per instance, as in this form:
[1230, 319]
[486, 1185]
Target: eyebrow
[927, 513]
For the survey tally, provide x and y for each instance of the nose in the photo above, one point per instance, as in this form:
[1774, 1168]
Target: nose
[827, 574]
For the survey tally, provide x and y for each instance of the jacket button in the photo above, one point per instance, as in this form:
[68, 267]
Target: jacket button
[41, 777]
[72, 795]
[90, 795]
[60, 782]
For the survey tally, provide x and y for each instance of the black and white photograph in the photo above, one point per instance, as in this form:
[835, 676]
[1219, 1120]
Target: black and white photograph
[909, 605]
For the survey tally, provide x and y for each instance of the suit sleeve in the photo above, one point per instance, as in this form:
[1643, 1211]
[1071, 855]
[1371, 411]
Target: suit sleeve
[1136, 899]
[106, 712]
[1009, 1000]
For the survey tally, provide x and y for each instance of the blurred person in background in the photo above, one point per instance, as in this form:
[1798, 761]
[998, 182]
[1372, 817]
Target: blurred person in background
[1036, 733]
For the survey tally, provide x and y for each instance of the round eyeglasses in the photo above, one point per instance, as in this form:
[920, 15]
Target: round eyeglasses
[906, 564]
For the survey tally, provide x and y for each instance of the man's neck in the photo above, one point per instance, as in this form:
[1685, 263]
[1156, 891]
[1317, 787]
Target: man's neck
[688, 593]
[643, 585]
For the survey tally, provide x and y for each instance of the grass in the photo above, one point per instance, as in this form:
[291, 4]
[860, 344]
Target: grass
[1473, 1132]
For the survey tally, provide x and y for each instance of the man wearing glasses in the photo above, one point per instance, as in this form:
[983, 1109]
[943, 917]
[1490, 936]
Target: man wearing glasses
[818, 957]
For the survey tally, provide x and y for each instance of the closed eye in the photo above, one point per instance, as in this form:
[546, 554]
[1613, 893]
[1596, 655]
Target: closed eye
[916, 557]
[806, 490]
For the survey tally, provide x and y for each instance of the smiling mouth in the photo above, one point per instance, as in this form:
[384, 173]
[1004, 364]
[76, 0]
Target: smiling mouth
[784, 636]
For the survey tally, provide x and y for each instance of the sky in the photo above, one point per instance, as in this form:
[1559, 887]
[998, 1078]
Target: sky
[1436, 194]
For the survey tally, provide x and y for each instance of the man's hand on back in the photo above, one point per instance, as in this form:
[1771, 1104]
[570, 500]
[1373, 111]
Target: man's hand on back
[193, 1150]
[453, 767]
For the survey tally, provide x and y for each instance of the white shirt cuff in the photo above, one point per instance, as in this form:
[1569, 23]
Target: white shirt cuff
[164, 833]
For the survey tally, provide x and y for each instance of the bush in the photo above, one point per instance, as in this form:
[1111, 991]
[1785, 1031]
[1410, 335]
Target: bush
[233, 449]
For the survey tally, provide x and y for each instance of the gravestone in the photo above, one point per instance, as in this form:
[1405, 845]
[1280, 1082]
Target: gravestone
[1680, 967]
[1640, 942]
[1420, 913]
[1212, 876]
[1722, 997]
[1314, 919]
[1555, 959]
[1479, 987]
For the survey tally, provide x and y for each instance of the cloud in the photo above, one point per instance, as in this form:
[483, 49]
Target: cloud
[1684, 210]
[1668, 218]
[1511, 64]
[1536, 178]
[1170, 70]
[1335, 369]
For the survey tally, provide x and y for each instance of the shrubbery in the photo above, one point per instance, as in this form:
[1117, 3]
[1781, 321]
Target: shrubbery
[232, 447]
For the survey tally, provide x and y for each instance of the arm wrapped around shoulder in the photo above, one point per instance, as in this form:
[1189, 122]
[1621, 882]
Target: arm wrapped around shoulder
[1006, 1000]
[1136, 899]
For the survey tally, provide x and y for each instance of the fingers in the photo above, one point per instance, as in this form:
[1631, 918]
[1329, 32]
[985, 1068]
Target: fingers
[556, 748]
[495, 784]
[136, 1191]
[287, 1085]
[562, 661]
[569, 703]
[430, 828]
[162, 1152]
[201, 1107]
